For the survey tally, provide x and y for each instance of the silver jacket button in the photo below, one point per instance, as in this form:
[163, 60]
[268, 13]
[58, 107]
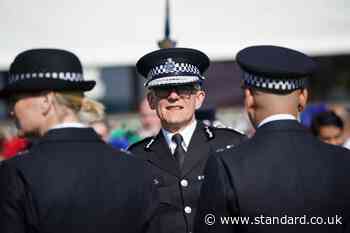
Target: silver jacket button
[184, 183]
[188, 210]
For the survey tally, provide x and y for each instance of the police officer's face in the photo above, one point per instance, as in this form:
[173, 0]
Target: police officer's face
[26, 111]
[175, 105]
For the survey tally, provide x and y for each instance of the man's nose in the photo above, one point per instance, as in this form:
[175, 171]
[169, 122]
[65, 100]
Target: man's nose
[173, 94]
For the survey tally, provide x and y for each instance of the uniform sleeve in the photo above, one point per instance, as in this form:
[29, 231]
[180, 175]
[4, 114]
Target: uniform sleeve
[151, 215]
[11, 201]
[215, 200]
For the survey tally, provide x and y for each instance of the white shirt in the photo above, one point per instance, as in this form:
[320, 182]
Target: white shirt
[186, 134]
[69, 125]
[277, 117]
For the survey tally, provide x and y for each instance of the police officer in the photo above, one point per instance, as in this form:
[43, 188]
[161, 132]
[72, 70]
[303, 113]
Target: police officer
[180, 150]
[70, 180]
[283, 179]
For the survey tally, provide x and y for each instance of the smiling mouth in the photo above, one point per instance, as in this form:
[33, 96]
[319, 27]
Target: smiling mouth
[174, 107]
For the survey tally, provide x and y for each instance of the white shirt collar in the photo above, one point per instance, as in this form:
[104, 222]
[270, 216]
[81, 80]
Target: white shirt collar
[69, 125]
[186, 134]
[276, 117]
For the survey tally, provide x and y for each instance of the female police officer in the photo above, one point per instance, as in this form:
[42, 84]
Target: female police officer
[70, 180]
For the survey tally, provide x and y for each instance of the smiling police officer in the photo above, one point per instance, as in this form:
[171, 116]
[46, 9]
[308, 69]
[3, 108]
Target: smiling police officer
[180, 150]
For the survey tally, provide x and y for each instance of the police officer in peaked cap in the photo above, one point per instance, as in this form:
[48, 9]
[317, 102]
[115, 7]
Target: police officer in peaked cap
[70, 181]
[283, 179]
[179, 152]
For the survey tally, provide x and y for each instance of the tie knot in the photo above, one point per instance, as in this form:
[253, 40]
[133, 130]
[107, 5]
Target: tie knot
[177, 138]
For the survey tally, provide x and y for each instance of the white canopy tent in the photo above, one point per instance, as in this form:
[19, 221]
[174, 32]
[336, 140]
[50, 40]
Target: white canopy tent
[107, 32]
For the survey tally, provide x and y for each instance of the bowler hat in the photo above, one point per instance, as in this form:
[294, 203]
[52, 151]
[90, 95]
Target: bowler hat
[45, 69]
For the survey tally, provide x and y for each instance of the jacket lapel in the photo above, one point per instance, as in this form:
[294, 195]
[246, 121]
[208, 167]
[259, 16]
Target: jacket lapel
[162, 157]
[198, 149]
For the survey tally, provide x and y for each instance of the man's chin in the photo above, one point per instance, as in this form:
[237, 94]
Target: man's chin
[177, 124]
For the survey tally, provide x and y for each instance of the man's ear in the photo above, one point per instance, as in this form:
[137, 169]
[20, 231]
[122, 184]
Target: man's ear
[200, 97]
[249, 100]
[302, 99]
[151, 100]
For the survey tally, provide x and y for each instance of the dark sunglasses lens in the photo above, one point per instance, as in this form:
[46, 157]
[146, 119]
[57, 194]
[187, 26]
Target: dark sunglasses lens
[183, 91]
[162, 92]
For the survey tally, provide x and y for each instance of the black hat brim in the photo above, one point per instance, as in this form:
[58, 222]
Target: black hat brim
[34, 85]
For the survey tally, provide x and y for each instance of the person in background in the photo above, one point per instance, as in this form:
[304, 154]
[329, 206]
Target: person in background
[69, 181]
[14, 146]
[122, 138]
[344, 114]
[2, 144]
[328, 127]
[150, 122]
[180, 150]
[283, 178]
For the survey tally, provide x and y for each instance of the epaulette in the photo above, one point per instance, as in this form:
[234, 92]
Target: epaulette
[210, 131]
[24, 152]
[214, 128]
[125, 151]
[227, 147]
[136, 144]
[146, 141]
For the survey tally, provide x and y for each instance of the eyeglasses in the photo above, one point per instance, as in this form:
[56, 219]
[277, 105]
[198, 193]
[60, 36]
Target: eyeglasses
[184, 91]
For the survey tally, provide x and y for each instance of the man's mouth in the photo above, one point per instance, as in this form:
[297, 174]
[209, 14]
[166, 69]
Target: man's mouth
[175, 107]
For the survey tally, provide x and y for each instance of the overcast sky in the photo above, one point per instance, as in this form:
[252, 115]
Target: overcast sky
[119, 32]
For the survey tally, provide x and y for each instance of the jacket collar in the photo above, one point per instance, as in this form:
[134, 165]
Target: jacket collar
[282, 125]
[276, 117]
[70, 134]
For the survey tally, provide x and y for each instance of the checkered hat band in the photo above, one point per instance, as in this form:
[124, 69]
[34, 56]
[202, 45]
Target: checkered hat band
[67, 76]
[274, 84]
[172, 80]
[178, 68]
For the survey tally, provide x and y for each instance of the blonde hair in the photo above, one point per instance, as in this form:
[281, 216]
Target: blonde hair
[87, 110]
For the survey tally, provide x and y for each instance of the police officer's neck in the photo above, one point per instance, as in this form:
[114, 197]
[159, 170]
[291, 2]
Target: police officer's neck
[176, 127]
[55, 119]
[267, 104]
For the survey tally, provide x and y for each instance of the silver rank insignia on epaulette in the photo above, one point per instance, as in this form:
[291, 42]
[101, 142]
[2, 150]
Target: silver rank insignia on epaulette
[220, 150]
[23, 152]
[149, 144]
[125, 151]
[155, 181]
[209, 133]
[227, 147]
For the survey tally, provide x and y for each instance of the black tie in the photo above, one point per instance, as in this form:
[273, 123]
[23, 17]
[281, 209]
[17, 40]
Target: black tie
[179, 153]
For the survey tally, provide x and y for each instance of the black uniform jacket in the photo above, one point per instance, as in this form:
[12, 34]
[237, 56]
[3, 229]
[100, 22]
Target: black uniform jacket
[179, 189]
[71, 181]
[282, 180]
